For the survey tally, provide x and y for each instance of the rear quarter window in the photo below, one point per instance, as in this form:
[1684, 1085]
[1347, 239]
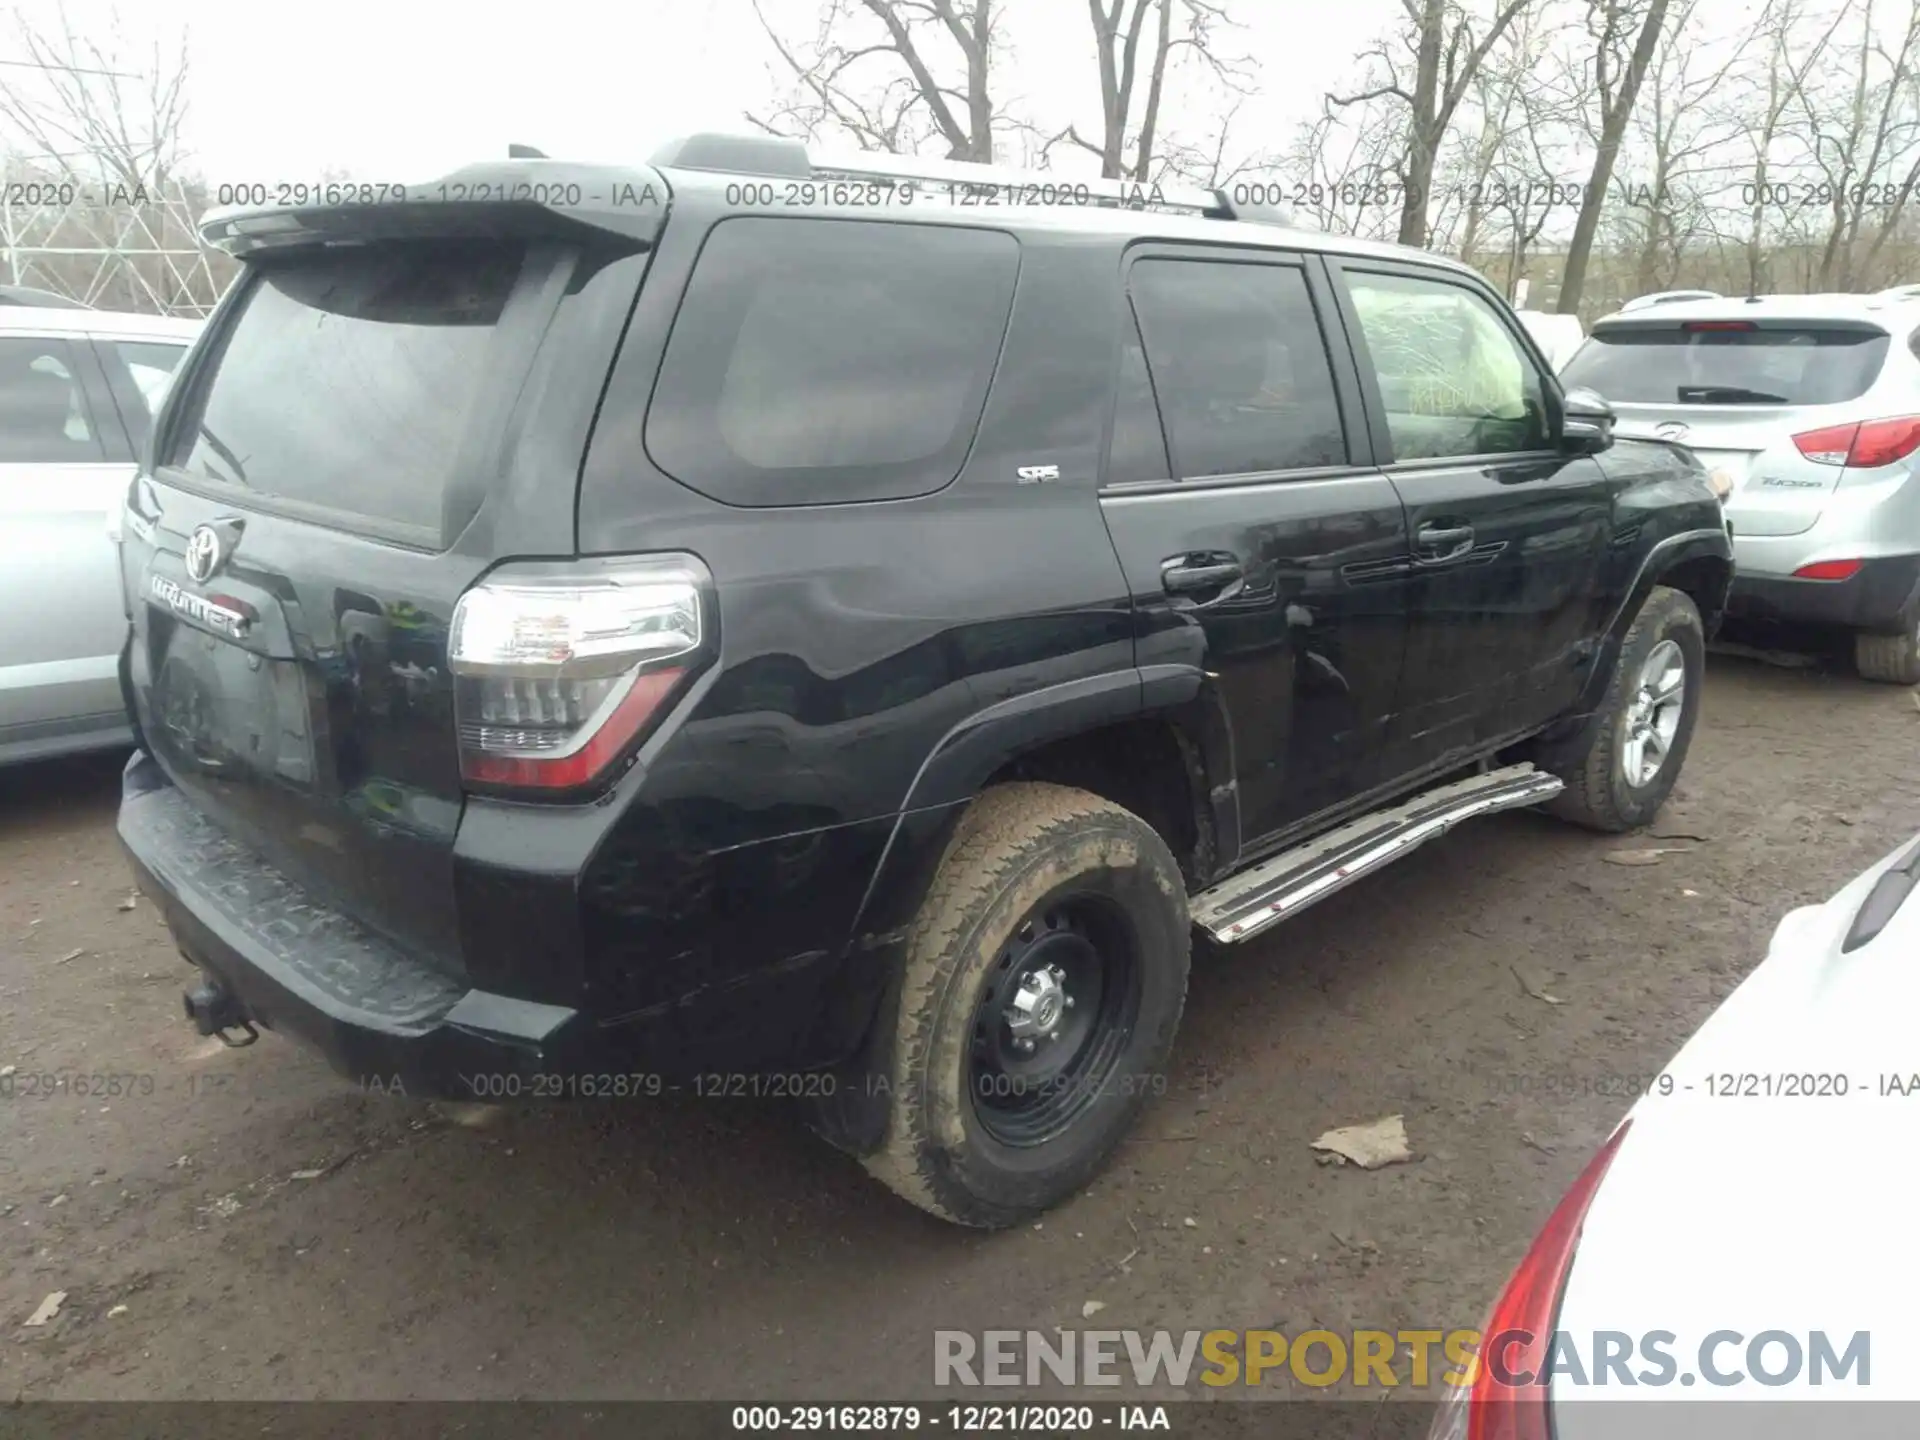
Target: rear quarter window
[817, 361]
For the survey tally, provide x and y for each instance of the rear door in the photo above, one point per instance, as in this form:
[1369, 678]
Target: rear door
[1507, 534]
[367, 429]
[1259, 542]
[64, 466]
[1736, 391]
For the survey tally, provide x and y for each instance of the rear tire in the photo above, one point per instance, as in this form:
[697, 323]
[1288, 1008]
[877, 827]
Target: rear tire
[1634, 756]
[1050, 905]
[1890, 659]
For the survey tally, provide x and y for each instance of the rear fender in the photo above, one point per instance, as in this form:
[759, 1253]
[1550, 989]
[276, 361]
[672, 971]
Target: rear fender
[853, 1114]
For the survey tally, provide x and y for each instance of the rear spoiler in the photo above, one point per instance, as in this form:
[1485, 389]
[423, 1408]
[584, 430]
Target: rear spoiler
[1653, 323]
[521, 197]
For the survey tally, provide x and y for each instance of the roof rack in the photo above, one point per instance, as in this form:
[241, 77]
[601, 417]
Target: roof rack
[775, 155]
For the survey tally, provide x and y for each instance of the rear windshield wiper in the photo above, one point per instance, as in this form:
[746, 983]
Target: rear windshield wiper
[1727, 395]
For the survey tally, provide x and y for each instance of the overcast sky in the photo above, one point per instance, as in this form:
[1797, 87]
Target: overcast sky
[396, 91]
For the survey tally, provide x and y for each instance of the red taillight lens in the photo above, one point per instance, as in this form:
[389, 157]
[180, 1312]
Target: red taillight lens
[1518, 1334]
[1865, 447]
[1830, 446]
[1881, 442]
[1830, 570]
[1696, 325]
[559, 669]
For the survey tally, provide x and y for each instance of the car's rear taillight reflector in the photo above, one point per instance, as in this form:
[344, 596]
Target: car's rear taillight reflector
[559, 669]
[1829, 570]
[1866, 446]
[1693, 325]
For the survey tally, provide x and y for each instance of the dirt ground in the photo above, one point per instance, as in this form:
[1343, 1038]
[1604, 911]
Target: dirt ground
[712, 1249]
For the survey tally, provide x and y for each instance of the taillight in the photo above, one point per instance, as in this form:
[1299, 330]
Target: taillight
[1830, 570]
[1865, 446]
[1516, 1339]
[560, 669]
[1695, 326]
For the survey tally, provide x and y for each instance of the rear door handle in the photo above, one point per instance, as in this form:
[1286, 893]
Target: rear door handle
[1188, 574]
[1438, 543]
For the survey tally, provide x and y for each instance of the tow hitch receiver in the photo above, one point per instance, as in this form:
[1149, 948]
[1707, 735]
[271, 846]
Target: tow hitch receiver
[215, 1010]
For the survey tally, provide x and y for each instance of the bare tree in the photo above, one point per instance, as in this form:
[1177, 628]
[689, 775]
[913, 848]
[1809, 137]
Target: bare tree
[892, 74]
[95, 110]
[1447, 54]
[1855, 134]
[1681, 134]
[1616, 85]
[1119, 28]
[1789, 58]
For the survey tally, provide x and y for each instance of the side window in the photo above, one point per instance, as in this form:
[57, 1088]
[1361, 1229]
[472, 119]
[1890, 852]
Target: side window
[1239, 365]
[1453, 380]
[828, 360]
[152, 365]
[1139, 450]
[140, 371]
[43, 411]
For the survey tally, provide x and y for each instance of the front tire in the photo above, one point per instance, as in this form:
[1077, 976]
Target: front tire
[1044, 978]
[1634, 755]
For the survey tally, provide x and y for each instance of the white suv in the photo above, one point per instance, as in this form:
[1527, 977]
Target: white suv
[1808, 407]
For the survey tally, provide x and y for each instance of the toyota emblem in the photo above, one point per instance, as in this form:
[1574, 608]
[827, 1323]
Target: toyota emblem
[204, 554]
[1673, 430]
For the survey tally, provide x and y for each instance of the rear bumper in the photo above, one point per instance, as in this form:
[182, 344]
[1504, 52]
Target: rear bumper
[1875, 599]
[379, 1016]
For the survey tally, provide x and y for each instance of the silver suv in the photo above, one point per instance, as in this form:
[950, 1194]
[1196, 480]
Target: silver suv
[78, 391]
[1807, 407]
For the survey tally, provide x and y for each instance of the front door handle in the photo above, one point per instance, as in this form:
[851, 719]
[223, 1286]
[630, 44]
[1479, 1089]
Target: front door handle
[1440, 543]
[1188, 574]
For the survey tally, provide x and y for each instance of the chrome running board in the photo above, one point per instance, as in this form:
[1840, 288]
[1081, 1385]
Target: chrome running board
[1243, 905]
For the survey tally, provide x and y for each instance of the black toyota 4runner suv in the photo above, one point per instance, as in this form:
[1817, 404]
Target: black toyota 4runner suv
[761, 627]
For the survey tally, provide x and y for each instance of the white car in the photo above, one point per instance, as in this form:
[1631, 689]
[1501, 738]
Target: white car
[1558, 336]
[1747, 1233]
[78, 391]
[1808, 409]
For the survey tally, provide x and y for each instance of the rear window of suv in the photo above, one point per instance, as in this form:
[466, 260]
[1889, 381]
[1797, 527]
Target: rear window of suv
[1672, 364]
[816, 361]
[345, 381]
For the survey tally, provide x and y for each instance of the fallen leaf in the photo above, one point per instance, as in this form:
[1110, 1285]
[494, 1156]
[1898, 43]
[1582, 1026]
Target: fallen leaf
[70, 955]
[1370, 1146]
[49, 1308]
[1641, 857]
[116, 1311]
[1535, 991]
[1092, 1308]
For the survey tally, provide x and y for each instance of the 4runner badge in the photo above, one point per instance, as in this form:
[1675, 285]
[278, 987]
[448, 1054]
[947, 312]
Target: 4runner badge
[1038, 474]
[199, 607]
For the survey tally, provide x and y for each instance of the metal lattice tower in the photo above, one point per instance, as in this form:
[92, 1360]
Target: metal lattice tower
[115, 248]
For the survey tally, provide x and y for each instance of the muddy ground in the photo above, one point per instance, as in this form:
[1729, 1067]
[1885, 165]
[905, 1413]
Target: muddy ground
[711, 1249]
